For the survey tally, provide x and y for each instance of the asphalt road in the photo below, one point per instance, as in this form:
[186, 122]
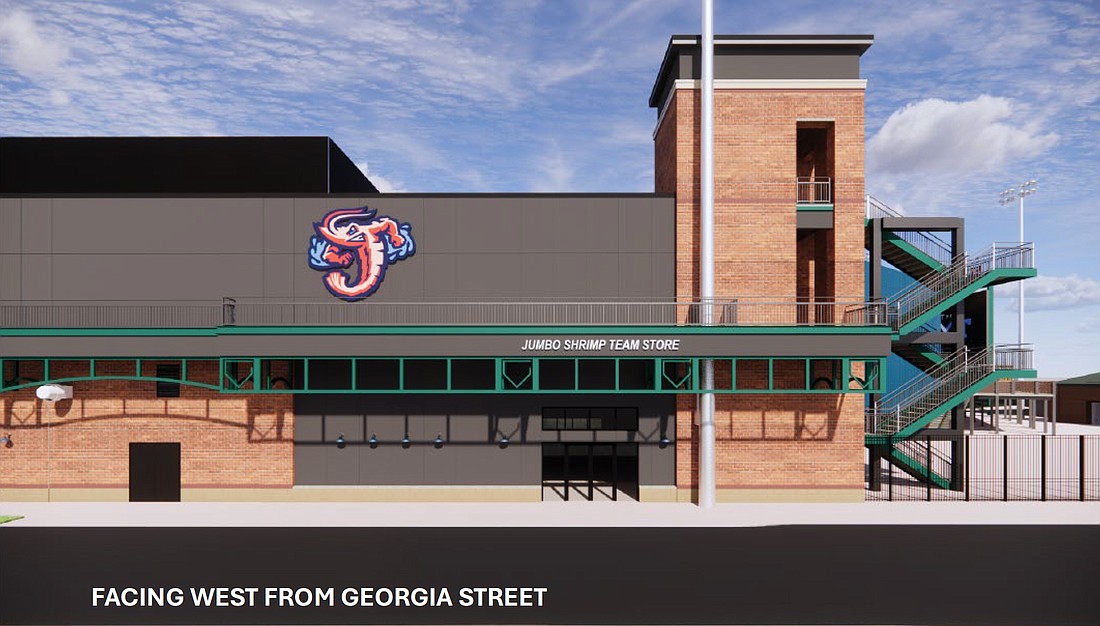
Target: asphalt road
[774, 575]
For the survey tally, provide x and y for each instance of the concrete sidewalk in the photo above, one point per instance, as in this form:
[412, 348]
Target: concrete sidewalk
[545, 514]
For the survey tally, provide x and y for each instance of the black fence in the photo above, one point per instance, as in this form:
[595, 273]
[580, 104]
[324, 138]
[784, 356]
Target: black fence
[985, 468]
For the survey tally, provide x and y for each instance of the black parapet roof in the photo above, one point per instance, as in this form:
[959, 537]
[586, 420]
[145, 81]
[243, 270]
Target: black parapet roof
[750, 50]
[184, 165]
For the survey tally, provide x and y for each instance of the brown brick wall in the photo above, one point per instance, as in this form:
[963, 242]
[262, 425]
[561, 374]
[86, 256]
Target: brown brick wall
[226, 440]
[755, 170]
[777, 441]
[664, 154]
[769, 440]
[1073, 402]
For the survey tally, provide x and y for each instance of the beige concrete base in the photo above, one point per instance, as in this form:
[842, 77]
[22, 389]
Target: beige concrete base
[657, 493]
[426, 493]
[776, 495]
[65, 495]
[430, 493]
[420, 493]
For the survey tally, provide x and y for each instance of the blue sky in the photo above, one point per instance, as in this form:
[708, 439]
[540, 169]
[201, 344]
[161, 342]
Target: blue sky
[963, 100]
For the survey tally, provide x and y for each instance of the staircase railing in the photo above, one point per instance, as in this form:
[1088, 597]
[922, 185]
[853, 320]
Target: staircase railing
[929, 292]
[918, 451]
[925, 394]
[922, 384]
[925, 241]
[876, 208]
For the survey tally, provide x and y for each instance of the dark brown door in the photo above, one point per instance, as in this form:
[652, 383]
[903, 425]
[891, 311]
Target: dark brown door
[154, 472]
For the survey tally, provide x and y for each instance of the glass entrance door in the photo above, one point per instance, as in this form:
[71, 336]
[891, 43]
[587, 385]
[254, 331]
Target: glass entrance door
[590, 471]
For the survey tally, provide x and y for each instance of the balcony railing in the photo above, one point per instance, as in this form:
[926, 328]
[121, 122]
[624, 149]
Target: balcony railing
[814, 190]
[733, 312]
[189, 314]
[1014, 357]
[230, 312]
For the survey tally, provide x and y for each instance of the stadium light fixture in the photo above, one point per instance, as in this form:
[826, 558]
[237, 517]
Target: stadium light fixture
[1008, 196]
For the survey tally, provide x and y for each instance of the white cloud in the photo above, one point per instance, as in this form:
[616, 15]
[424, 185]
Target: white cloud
[424, 157]
[603, 18]
[550, 75]
[383, 183]
[936, 135]
[553, 170]
[27, 50]
[59, 98]
[1089, 324]
[272, 12]
[1044, 293]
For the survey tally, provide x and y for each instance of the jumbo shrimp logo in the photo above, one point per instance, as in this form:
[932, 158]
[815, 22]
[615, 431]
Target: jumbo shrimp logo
[362, 242]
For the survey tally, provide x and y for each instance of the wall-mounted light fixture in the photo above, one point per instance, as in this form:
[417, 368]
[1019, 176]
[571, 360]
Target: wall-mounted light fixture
[664, 442]
[373, 441]
[54, 393]
[6, 441]
[341, 443]
[504, 442]
[406, 442]
[439, 441]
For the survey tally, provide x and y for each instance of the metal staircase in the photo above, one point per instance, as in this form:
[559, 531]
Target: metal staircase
[923, 461]
[907, 410]
[943, 278]
[924, 249]
[923, 356]
[940, 290]
[914, 252]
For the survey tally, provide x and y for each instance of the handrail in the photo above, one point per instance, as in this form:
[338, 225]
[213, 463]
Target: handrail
[925, 241]
[733, 312]
[113, 315]
[926, 393]
[919, 384]
[876, 208]
[242, 311]
[913, 449]
[927, 293]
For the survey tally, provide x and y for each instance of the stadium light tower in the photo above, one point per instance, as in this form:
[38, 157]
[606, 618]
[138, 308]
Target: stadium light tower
[1018, 193]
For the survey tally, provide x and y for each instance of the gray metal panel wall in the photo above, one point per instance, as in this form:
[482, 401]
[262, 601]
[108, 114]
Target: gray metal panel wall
[763, 62]
[779, 344]
[509, 247]
[471, 426]
[815, 219]
[745, 62]
[11, 247]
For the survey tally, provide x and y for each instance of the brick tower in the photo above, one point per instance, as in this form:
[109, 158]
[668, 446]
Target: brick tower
[788, 228]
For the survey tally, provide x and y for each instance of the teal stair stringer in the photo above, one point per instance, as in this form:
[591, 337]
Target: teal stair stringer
[921, 356]
[994, 277]
[924, 263]
[937, 292]
[950, 403]
[890, 442]
[914, 251]
[917, 469]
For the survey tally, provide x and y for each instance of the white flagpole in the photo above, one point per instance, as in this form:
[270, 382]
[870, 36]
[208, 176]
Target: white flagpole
[706, 258]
